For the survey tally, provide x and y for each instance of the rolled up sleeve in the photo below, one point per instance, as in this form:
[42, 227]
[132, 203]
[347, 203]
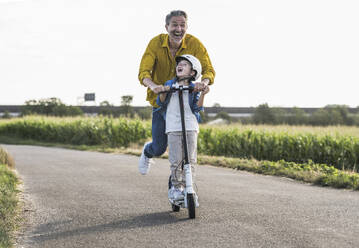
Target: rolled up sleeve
[147, 63]
[207, 68]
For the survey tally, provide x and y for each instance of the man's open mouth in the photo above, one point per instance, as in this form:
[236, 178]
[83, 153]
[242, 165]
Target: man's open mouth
[178, 35]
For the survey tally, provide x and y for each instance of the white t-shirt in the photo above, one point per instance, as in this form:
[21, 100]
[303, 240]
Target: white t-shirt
[173, 114]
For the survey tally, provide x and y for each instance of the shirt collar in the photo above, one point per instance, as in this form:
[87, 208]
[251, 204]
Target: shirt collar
[165, 42]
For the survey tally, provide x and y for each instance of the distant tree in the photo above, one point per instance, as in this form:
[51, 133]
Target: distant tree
[297, 116]
[6, 115]
[50, 106]
[126, 100]
[204, 116]
[105, 104]
[343, 111]
[106, 109]
[224, 115]
[263, 114]
[216, 105]
[331, 115]
[126, 108]
[280, 116]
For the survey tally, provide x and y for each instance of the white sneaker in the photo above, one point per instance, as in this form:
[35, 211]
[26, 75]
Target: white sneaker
[175, 194]
[196, 200]
[145, 162]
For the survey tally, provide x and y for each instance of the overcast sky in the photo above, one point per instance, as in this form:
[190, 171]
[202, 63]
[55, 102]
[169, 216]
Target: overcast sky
[285, 53]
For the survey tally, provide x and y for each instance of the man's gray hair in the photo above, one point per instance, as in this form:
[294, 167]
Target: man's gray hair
[175, 13]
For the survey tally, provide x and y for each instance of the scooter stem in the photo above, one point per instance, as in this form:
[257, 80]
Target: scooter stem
[186, 160]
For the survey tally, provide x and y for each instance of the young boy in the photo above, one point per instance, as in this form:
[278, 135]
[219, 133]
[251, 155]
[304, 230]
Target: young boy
[188, 69]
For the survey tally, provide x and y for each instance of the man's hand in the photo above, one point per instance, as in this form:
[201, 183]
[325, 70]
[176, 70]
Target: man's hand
[156, 88]
[200, 86]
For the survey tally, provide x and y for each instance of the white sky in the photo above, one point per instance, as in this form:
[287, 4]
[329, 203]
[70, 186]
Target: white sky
[286, 53]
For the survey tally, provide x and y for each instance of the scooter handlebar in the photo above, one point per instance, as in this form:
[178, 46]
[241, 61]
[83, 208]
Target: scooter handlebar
[178, 88]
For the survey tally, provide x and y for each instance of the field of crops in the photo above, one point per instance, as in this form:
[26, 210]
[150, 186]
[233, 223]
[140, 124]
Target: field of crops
[78, 131]
[337, 146]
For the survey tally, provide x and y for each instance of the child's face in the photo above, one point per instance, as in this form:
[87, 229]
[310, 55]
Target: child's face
[184, 69]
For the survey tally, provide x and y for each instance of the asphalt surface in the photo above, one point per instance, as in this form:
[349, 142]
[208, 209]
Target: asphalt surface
[91, 199]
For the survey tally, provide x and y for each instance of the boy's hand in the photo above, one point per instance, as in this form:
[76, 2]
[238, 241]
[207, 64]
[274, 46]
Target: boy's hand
[199, 86]
[167, 88]
[205, 90]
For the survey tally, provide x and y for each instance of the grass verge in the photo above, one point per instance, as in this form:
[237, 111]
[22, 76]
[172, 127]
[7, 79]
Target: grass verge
[8, 200]
[310, 172]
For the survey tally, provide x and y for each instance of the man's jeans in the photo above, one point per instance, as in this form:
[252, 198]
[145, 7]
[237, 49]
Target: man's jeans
[158, 145]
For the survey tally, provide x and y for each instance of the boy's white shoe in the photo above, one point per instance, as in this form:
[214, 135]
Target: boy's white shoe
[175, 194]
[145, 162]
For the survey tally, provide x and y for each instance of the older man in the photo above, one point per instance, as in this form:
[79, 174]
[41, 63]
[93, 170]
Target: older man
[158, 66]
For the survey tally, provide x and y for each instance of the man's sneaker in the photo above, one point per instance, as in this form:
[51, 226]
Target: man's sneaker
[175, 194]
[145, 162]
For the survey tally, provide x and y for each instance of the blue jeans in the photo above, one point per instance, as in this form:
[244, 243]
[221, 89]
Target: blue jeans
[158, 145]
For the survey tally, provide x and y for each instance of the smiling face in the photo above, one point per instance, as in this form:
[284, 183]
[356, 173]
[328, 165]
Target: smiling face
[176, 29]
[184, 69]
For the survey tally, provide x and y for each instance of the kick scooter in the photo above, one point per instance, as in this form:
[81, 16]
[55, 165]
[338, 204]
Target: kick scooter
[190, 200]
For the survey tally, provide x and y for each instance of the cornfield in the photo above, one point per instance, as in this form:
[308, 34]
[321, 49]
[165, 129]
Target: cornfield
[78, 131]
[340, 151]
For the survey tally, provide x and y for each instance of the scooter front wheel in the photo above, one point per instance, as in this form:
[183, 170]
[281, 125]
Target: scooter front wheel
[191, 206]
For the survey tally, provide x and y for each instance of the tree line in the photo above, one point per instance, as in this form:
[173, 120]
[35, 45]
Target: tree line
[329, 115]
[263, 114]
[55, 107]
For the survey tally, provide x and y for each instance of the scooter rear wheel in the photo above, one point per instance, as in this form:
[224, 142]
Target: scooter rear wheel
[191, 206]
[175, 208]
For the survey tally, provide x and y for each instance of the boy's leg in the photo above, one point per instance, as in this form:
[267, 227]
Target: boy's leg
[192, 151]
[192, 154]
[175, 157]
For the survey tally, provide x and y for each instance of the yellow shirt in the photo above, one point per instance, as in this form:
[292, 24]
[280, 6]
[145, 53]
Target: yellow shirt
[159, 65]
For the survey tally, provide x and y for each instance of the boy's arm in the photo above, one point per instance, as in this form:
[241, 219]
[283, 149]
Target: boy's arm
[162, 96]
[201, 98]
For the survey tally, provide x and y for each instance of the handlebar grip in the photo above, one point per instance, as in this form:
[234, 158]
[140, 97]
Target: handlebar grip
[178, 88]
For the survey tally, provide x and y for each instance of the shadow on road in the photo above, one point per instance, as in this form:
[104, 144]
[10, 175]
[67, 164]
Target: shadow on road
[142, 221]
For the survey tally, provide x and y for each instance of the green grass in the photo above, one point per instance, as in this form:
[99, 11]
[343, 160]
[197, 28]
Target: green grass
[8, 201]
[318, 174]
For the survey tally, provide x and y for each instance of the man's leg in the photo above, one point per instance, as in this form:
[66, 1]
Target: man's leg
[158, 145]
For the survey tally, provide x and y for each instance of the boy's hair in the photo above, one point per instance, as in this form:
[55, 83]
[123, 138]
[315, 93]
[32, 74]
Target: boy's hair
[175, 13]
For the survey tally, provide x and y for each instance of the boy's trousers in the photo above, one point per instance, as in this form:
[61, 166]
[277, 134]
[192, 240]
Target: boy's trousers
[176, 155]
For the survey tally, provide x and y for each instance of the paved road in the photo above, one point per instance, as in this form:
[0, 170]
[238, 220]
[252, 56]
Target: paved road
[91, 199]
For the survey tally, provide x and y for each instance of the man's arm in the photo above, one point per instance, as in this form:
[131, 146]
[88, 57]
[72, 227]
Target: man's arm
[208, 72]
[152, 86]
[163, 95]
[199, 86]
